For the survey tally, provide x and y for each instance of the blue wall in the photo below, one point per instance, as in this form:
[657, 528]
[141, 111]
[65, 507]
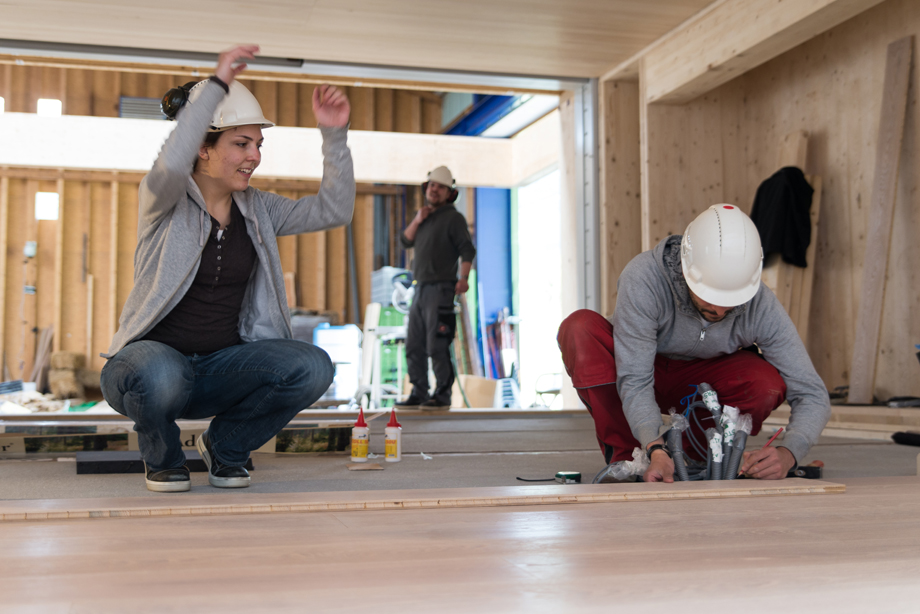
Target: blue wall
[493, 250]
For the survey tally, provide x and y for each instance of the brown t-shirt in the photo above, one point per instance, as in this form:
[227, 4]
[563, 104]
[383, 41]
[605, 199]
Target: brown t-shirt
[208, 316]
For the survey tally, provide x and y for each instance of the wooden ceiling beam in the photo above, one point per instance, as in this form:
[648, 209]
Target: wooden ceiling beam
[732, 38]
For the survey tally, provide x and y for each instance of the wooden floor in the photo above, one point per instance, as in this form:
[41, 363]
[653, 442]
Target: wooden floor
[853, 552]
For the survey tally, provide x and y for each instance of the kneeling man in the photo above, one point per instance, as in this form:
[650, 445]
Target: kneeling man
[692, 310]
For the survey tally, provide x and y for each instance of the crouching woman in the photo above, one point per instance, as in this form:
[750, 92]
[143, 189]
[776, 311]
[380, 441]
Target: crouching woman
[205, 332]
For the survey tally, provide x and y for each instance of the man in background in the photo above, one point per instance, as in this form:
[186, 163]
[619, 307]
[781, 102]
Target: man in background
[443, 248]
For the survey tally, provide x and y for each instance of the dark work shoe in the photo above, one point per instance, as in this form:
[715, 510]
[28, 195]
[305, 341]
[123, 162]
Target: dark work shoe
[434, 404]
[412, 402]
[168, 480]
[221, 476]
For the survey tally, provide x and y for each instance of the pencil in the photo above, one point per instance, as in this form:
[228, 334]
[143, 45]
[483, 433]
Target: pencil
[775, 435]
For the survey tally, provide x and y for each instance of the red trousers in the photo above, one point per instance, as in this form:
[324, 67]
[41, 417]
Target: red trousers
[743, 380]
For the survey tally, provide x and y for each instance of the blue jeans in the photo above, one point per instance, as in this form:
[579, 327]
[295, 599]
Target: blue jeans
[252, 391]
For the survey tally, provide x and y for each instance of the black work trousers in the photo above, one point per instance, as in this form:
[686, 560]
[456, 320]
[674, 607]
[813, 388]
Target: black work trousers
[432, 324]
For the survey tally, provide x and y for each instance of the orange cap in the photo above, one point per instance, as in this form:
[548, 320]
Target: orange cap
[360, 421]
[393, 421]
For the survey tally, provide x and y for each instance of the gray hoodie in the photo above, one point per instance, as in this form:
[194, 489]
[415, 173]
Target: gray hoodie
[173, 227]
[654, 315]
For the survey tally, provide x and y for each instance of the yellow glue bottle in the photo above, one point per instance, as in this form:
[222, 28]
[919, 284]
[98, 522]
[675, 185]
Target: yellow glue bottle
[393, 439]
[360, 436]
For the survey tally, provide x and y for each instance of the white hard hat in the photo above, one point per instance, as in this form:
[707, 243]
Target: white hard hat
[721, 257]
[442, 175]
[238, 108]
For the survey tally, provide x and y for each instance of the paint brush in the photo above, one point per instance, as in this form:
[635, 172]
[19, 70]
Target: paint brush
[775, 435]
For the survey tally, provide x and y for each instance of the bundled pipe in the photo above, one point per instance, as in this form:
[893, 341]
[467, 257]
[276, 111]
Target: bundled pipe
[729, 426]
[679, 424]
[745, 423]
[711, 400]
[714, 457]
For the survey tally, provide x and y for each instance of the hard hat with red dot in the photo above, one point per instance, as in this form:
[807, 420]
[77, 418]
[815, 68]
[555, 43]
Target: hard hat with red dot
[721, 256]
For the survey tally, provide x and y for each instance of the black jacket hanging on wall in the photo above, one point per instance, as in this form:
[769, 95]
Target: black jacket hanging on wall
[782, 214]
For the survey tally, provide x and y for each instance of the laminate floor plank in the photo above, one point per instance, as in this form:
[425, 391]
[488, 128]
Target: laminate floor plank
[853, 552]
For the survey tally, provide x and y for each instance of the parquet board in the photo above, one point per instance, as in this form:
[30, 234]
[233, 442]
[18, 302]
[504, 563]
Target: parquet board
[283, 503]
[850, 553]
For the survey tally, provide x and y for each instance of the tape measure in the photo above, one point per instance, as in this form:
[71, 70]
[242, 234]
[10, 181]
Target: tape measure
[568, 477]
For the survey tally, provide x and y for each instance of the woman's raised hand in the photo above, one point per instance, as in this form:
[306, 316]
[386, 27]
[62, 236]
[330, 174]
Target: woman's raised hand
[330, 106]
[226, 71]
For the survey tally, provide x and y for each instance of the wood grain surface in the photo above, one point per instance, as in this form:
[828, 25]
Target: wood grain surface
[856, 552]
[283, 503]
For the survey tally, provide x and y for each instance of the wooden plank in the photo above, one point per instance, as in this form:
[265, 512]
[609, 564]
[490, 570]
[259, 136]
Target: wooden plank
[311, 270]
[407, 108]
[383, 109]
[76, 250]
[59, 267]
[535, 150]
[362, 108]
[486, 550]
[290, 290]
[884, 190]
[263, 183]
[336, 272]
[431, 116]
[127, 242]
[305, 117]
[28, 319]
[95, 143]
[288, 104]
[101, 259]
[805, 277]
[362, 228]
[266, 92]
[421, 499]
[78, 97]
[621, 204]
[734, 37]
[4, 250]
[90, 312]
[112, 296]
[106, 93]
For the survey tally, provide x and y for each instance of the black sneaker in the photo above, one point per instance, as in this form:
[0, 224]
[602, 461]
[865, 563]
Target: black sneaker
[434, 404]
[221, 476]
[168, 480]
[413, 402]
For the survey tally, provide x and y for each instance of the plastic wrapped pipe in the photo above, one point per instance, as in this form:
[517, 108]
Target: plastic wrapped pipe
[729, 425]
[623, 470]
[715, 451]
[711, 400]
[679, 424]
[745, 423]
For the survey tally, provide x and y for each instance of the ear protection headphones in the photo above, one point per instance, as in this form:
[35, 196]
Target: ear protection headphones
[452, 192]
[175, 99]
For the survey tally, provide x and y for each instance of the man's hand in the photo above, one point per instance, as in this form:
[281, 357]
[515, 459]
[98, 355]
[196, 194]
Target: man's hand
[226, 71]
[461, 287]
[330, 106]
[423, 213]
[768, 464]
[660, 468]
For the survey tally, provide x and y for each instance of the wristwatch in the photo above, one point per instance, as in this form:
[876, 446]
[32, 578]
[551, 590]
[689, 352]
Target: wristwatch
[658, 446]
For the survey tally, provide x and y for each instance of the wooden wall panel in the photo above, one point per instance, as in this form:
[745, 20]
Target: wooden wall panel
[830, 87]
[76, 210]
[408, 112]
[100, 257]
[336, 272]
[127, 242]
[383, 109]
[621, 206]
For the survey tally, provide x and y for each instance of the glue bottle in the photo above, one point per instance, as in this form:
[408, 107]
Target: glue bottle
[393, 439]
[360, 436]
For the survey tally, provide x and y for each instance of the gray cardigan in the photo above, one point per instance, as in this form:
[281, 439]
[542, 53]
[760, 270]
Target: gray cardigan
[173, 227]
[654, 315]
